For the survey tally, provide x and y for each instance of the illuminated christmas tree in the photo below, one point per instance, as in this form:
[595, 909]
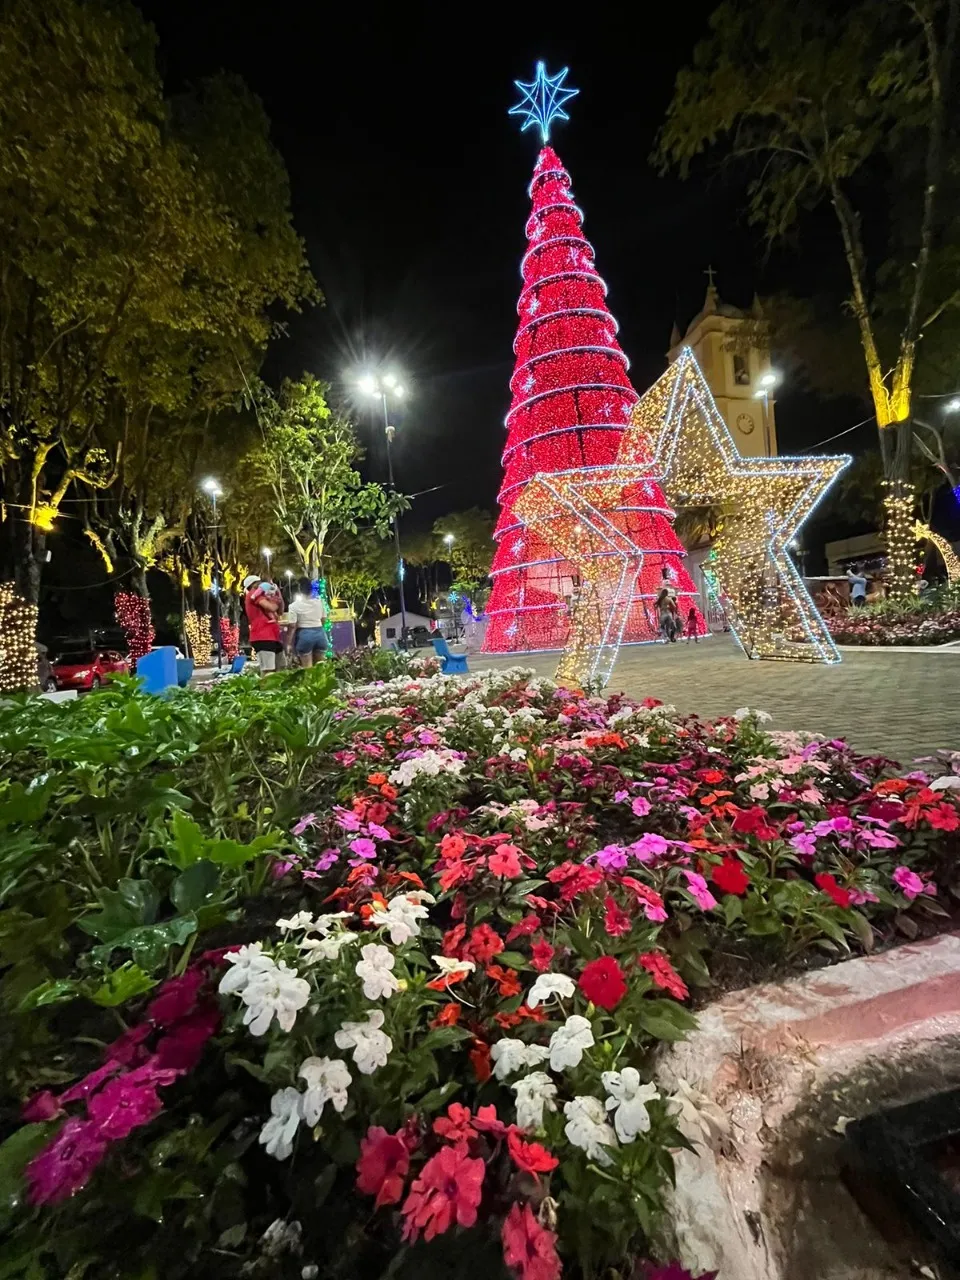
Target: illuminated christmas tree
[571, 402]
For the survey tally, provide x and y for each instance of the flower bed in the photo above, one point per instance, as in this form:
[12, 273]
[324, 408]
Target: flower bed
[319, 984]
[865, 628]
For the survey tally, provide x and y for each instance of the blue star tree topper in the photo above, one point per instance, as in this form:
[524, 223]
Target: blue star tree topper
[543, 100]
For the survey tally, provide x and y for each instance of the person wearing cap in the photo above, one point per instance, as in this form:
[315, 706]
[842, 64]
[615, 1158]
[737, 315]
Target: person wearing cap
[261, 607]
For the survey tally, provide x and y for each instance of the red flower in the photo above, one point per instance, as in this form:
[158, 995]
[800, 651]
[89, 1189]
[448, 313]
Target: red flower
[452, 847]
[541, 955]
[615, 920]
[486, 1120]
[506, 979]
[448, 1016]
[484, 943]
[530, 1157]
[664, 974]
[829, 886]
[383, 1166]
[176, 998]
[505, 862]
[523, 1014]
[455, 1126]
[529, 924]
[448, 1190]
[942, 817]
[453, 940]
[753, 822]
[602, 982]
[528, 1248]
[713, 777]
[480, 1061]
[730, 877]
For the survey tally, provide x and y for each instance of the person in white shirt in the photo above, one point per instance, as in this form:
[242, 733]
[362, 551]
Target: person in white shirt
[858, 586]
[309, 614]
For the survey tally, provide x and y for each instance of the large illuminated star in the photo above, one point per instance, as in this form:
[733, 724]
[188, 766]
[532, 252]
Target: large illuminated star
[678, 438]
[543, 100]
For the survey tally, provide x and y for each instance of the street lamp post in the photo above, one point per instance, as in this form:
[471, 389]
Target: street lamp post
[267, 552]
[767, 382]
[288, 574]
[381, 387]
[211, 487]
[449, 540]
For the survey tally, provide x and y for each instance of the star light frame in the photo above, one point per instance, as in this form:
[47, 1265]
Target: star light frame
[543, 100]
[679, 438]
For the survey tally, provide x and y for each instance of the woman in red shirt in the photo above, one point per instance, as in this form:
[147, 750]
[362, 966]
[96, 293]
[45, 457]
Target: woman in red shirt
[261, 607]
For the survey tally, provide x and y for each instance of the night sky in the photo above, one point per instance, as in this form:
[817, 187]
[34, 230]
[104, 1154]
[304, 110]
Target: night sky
[409, 186]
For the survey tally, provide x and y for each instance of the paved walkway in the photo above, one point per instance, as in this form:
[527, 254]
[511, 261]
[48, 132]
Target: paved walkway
[902, 705]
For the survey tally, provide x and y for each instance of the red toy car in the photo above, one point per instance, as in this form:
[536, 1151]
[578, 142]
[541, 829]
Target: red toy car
[88, 668]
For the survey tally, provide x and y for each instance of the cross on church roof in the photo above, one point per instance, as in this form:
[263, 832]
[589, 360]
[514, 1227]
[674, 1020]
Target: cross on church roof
[710, 273]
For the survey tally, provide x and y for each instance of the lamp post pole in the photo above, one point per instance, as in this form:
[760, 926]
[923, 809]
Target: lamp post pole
[214, 493]
[382, 386]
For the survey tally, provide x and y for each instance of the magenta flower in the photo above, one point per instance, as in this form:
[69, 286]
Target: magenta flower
[640, 806]
[805, 844]
[347, 820]
[83, 1088]
[327, 859]
[860, 896]
[911, 885]
[612, 858]
[363, 847]
[65, 1165]
[120, 1107]
[42, 1106]
[176, 998]
[308, 820]
[649, 846]
[378, 832]
[619, 797]
[698, 888]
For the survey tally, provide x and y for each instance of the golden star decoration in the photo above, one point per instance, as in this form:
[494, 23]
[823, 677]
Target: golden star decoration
[678, 438]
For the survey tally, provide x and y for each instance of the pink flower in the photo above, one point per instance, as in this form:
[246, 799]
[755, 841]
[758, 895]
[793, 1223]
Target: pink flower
[308, 820]
[363, 847]
[120, 1107]
[347, 820]
[42, 1106]
[382, 1167]
[326, 860]
[378, 832]
[505, 862]
[649, 847]
[653, 907]
[805, 844]
[448, 1190]
[861, 896]
[529, 1249]
[641, 806]
[619, 797]
[612, 858]
[83, 1088]
[698, 889]
[911, 884]
[65, 1165]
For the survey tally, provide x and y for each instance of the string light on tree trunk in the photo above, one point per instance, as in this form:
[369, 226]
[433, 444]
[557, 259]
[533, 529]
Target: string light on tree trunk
[951, 561]
[133, 614]
[230, 638]
[898, 504]
[18, 650]
[196, 626]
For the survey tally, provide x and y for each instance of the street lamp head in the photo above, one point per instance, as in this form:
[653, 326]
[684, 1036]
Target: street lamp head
[769, 379]
[289, 573]
[212, 487]
[449, 539]
[389, 381]
[398, 391]
[952, 405]
[266, 552]
[368, 385]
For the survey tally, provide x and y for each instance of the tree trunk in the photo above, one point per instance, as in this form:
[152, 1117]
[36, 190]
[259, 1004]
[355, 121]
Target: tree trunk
[895, 449]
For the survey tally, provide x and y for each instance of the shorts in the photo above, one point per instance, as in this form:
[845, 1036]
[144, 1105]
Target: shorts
[266, 651]
[310, 639]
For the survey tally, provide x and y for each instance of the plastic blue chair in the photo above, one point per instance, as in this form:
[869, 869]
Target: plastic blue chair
[237, 665]
[184, 671]
[157, 670]
[454, 664]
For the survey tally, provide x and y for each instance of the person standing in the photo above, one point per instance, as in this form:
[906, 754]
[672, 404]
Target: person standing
[858, 586]
[309, 614]
[262, 606]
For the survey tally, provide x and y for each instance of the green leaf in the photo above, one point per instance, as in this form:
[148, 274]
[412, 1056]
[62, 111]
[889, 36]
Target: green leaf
[195, 887]
[513, 960]
[188, 841]
[150, 943]
[732, 908]
[142, 899]
[53, 991]
[440, 1037]
[436, 1098]
[15, 1154]
[231, 853]
[122, 985]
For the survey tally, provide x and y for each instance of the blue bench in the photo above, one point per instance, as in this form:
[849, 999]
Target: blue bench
[454, 664]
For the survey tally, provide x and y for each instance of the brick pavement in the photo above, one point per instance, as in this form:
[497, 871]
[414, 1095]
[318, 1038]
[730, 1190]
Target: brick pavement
[900, 704]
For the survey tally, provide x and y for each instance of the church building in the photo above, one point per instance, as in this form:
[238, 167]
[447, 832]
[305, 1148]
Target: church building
[731, 349]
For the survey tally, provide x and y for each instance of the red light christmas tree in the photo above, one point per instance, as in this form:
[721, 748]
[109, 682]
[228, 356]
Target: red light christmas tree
[571, 404]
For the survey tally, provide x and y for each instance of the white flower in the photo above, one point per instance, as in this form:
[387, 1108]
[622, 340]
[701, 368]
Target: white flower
[451, 967]
[327, 1081]
[302, 920]
[629, 1098]
[375, 970]
[587, 1128]
[246, 962]
[549, 985]
[534, 1092]
[327, 948]
[325, 923]
[509, 1056]
[742, 713]
[568, 1043]
[279, 1131]
[947, 782]
[429, 763]
[400, 916]
[279, 992]
[370, 1045]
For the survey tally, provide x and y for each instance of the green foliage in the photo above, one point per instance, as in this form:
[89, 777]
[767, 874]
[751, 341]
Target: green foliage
[471, 552]
[306, 464]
